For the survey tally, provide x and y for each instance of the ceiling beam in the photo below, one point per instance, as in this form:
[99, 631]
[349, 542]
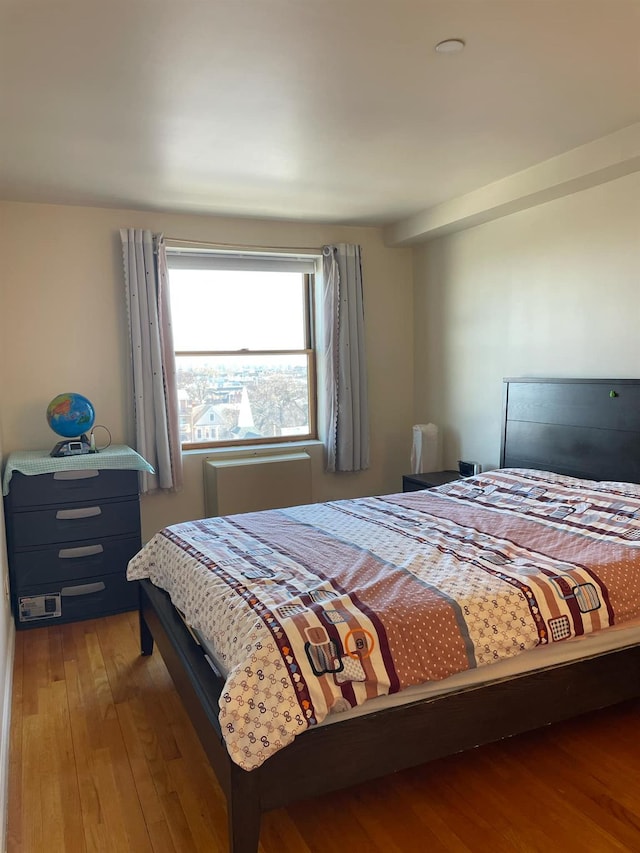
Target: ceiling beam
[598, 162]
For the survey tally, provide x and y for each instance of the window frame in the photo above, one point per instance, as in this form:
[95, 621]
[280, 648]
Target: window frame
[175, 259]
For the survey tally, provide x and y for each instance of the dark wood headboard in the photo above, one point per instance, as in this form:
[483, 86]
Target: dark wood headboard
[581, 427]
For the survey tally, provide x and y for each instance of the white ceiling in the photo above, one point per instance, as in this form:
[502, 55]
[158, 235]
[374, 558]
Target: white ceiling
[309, 109]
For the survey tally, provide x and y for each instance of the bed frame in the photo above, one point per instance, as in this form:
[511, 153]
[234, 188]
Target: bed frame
[587, 428]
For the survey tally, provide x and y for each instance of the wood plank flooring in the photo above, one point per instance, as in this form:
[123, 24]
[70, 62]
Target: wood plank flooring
[103, 758]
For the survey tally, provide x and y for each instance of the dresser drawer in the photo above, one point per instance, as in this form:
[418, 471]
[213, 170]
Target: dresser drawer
[74, 522]
[85, 598]
[71, 561]
[70, 487]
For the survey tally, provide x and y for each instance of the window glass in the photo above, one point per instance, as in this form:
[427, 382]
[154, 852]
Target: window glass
[242, 397]
[236, 309]
[244, 351]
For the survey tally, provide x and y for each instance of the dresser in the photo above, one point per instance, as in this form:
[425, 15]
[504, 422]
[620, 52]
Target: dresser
[71, 530]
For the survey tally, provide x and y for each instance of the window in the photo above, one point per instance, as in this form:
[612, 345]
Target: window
[243, 338]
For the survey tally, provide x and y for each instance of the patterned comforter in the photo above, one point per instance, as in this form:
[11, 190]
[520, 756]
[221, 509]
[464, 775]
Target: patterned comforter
[315, 609]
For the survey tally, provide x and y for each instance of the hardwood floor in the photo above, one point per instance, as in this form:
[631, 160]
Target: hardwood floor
[103, 758]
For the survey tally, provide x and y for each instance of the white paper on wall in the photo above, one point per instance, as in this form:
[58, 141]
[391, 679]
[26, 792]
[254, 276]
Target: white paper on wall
[425, 450]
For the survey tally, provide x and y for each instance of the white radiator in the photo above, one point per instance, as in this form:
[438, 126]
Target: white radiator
[251, 483]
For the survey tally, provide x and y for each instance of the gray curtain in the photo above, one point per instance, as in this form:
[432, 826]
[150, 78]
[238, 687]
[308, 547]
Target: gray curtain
[153, 361]
[343, 360]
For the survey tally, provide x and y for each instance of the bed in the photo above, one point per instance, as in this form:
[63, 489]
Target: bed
[555, 432]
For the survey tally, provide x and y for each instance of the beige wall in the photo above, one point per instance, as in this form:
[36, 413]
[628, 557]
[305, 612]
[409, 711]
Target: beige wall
[63, 328]
[551, 291]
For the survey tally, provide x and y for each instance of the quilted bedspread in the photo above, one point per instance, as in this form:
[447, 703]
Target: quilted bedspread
[315, 609]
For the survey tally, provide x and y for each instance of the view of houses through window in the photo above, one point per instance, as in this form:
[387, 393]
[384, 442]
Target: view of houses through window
[243, 344]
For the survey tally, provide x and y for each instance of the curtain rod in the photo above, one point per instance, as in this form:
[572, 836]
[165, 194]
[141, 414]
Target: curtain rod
[173, 241]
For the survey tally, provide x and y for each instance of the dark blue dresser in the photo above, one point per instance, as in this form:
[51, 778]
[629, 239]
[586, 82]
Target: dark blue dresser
[70, 535]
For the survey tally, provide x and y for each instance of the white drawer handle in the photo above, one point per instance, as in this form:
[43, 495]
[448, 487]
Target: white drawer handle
[82, 551]
[83, 589]
[83, 512]
[75, 475]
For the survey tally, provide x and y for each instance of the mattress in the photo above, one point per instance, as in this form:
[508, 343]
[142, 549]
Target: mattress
[543, 657]
[318, 610]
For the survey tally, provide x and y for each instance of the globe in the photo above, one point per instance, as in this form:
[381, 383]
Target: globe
[70, 415]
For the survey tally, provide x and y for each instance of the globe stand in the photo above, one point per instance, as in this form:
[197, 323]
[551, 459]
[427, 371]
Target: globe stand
[72, 447]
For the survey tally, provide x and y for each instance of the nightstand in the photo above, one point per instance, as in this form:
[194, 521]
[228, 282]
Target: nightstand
[71, 531]
[416, 482]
